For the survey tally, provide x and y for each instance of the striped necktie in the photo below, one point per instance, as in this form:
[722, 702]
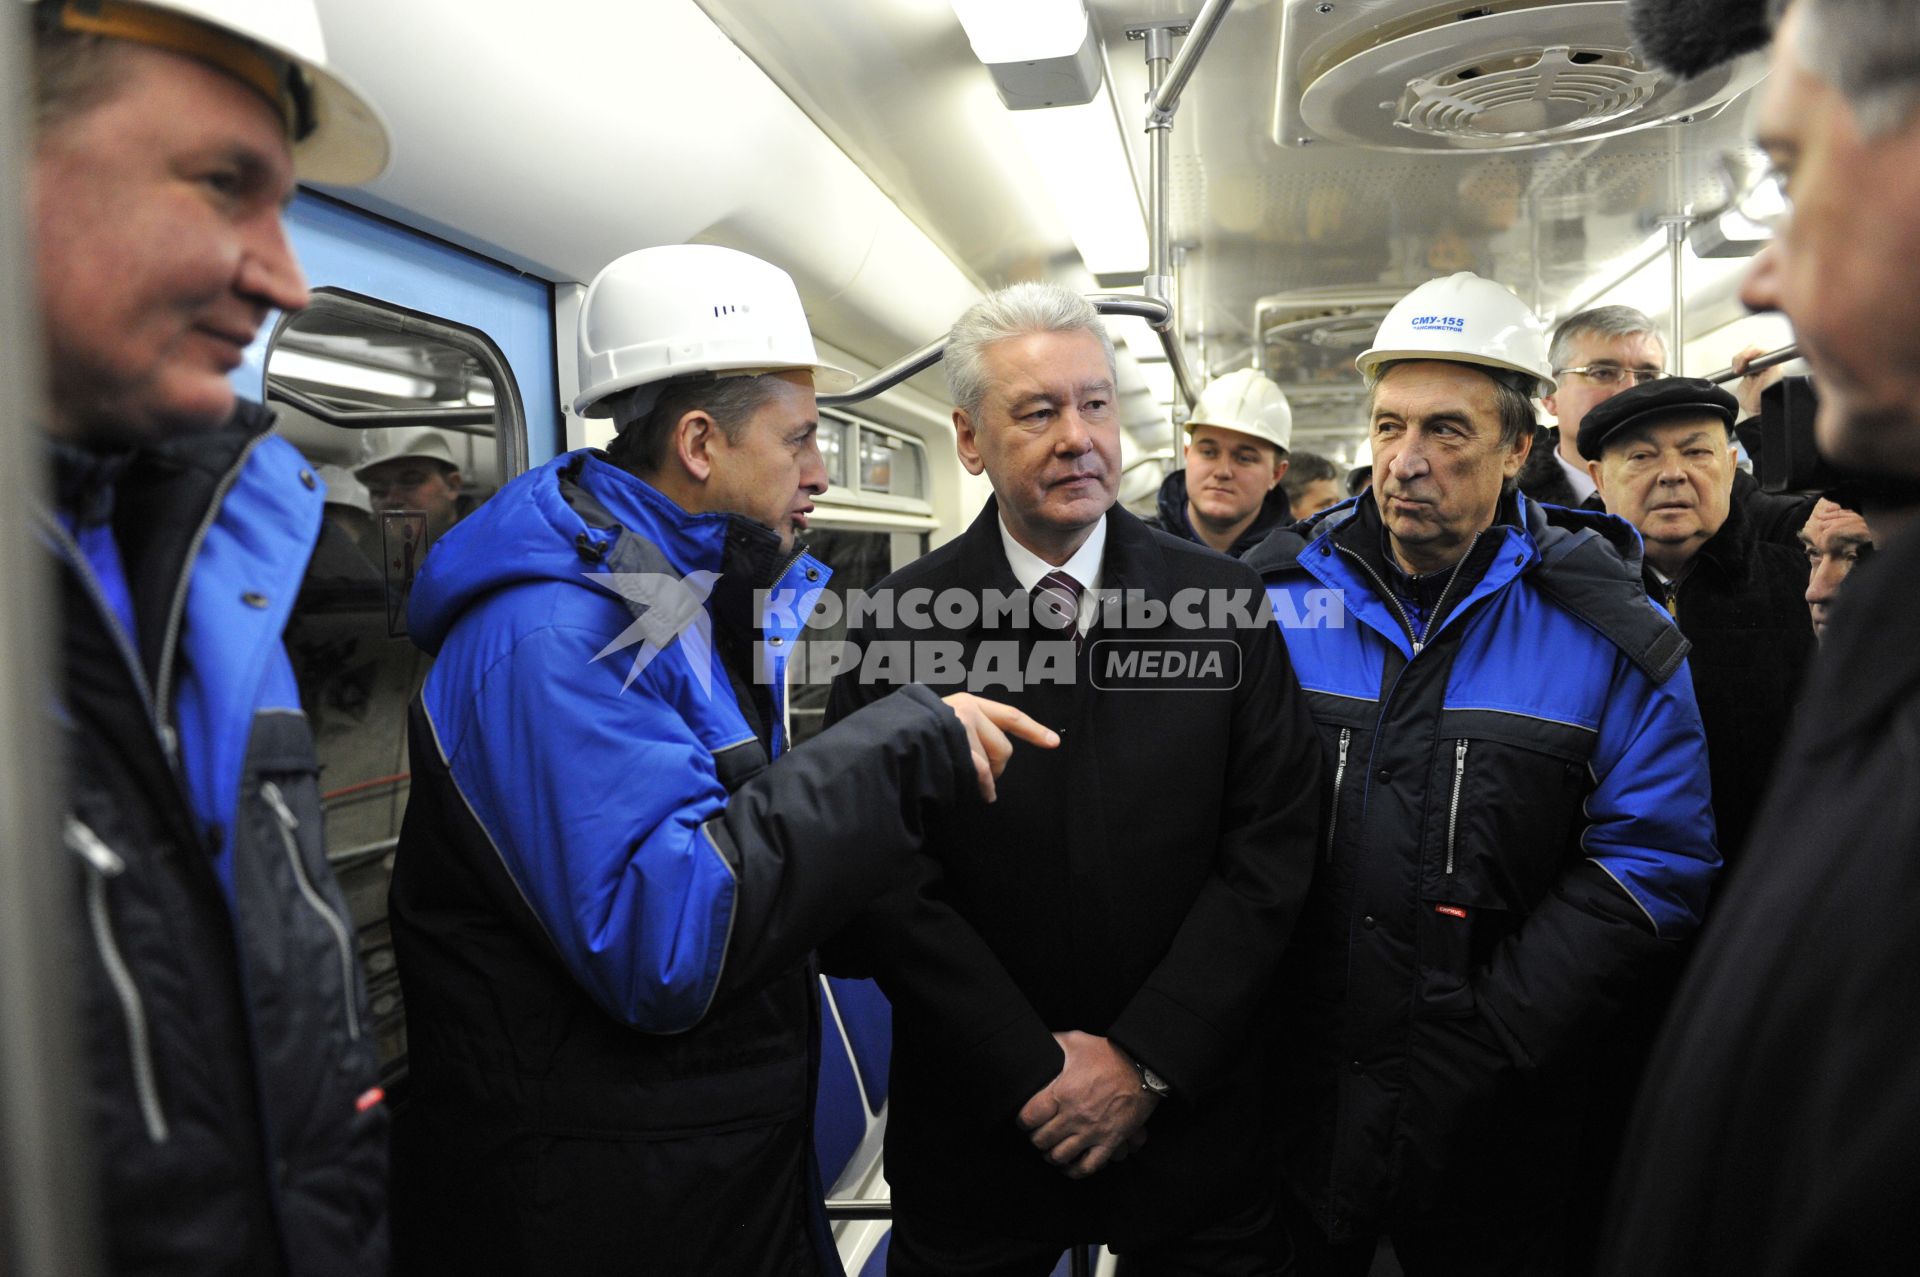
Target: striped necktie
[1056, 604]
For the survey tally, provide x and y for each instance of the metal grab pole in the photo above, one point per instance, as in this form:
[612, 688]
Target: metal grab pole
[1786, 354]
[1154, 311]
[1677, 257]
[46, 1193]
[890, 376]
[1165, 98]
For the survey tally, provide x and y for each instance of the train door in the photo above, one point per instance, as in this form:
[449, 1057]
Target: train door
[418, 381]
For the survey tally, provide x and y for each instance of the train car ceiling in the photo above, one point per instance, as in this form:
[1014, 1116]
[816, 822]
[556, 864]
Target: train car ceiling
[583, 130]
[1289, 251]
[1328, 155]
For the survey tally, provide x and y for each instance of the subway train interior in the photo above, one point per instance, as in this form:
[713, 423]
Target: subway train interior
[1248, 184]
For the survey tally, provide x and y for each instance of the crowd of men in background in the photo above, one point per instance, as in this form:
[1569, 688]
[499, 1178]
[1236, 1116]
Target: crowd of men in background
[1422, 874]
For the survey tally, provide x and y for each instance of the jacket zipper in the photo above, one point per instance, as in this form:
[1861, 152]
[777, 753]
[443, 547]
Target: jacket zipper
[122, 642]
[105, 863]
[1339, 775]
[1380, 588]
[1453, 807]
[288, 823]
[177, 608]
[1417, 641]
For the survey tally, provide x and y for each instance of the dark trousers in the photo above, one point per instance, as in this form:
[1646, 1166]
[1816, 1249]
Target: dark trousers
[1251, 1243]
[1487, 1245]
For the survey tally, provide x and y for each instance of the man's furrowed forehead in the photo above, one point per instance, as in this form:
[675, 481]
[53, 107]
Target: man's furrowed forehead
[1436, 390]
[1671, 432]
[176, 110]
[1633, 350]
[1039, 389]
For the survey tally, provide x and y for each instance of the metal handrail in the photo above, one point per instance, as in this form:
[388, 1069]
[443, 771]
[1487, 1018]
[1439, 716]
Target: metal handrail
[1786, 354]
[1166, 98]
[1156, 312]
[472, 421]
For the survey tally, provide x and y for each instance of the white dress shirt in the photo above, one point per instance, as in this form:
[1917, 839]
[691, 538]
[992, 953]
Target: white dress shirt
[1083, 567]
[1583, 486]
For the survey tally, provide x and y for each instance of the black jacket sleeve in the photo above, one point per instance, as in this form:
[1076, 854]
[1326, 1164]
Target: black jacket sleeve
[832, 824]
[1191, 1017]
[937, 970]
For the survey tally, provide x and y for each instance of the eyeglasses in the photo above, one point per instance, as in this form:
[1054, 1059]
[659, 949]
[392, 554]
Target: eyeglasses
[1613, 374]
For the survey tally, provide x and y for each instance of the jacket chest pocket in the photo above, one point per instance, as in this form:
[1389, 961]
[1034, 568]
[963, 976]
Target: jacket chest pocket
[1503, 824]
[103, 866]
[1346, 725]
[292, 915]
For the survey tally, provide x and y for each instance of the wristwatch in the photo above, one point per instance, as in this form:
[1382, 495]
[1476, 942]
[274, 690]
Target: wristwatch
[1151, 1081]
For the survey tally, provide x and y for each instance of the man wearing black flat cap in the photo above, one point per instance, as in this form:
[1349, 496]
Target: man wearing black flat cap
[1661, 455]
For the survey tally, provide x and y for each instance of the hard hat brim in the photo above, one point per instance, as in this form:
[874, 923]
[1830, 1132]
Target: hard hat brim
[828, 379]
[1240, 428]
[1372, 359]
[351, 143]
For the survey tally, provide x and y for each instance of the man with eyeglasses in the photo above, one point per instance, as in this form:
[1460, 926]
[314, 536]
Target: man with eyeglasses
[1595, 354]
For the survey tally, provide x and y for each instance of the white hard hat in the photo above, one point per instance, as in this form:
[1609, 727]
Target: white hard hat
[661, 313]
[274, 45]
[1463, 318]
[1247, 402]
[344, 488]
[395, 442]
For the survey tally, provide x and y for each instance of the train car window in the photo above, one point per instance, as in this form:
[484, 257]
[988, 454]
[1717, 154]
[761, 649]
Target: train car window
[891, 465]
[875, 518]
[833, 448]
[411, 422]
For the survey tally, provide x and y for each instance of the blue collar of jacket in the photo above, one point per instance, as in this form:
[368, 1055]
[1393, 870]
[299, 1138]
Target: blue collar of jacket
[1586, 561]
[226, 522]
[630, 525]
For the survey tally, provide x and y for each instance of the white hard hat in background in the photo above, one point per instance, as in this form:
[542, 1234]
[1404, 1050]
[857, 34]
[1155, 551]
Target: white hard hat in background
[665, 312]
[396, 442]
[1463, 318]
[343, 488]
[274, 45]
[1247, 402]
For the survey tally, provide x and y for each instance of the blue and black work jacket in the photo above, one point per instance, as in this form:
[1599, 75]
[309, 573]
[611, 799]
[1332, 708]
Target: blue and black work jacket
[610, 878]
[230, 1073]
[1519, 834]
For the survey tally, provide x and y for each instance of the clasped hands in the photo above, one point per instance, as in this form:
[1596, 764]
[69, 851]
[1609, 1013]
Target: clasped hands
[1094, 1113]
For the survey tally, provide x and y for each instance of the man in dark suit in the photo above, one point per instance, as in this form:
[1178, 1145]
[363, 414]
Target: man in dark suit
[1086, 963]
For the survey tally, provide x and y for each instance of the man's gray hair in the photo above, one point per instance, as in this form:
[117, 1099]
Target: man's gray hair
[1869, 50]
[1013, 311]
[1601, 321]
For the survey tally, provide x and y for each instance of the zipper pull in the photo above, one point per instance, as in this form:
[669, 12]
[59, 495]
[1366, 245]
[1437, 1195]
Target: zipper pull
[1459, 758]
[86, 844]
[1417, 645]
[277, 801]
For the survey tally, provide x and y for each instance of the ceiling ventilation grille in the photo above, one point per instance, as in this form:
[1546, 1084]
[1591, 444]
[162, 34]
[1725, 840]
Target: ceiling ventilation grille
[1540, 96]
[1454, 77]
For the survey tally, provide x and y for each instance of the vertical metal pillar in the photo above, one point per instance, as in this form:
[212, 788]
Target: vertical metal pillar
[45, 1194]
[1158, 284]
[1677, 318]
[1677, 251]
